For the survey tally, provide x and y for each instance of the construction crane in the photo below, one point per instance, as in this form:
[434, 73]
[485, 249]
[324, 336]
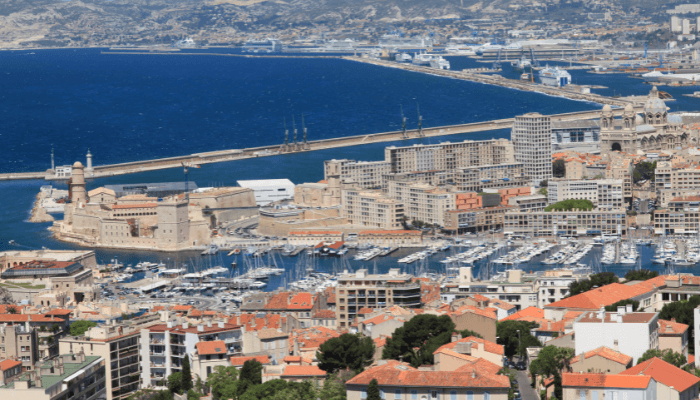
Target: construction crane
[187, 167]
[420, 121]
[497, 63]
[403, 122]
[533, 60]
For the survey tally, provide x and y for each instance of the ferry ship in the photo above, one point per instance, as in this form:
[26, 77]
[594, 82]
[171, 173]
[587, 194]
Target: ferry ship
[403, 57]
[522, 64]
[268, 45]
[553, 76]
[439, 63]
[185, 43]
[422, 59]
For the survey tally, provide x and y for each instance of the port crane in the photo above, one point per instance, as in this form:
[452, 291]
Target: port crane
[403, 124]
[533, 60]
[420, 121]
[497, 63]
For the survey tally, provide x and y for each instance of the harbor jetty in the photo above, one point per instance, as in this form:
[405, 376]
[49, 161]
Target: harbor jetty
[312, 145]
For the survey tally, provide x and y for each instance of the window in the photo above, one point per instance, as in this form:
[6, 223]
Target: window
[397, 394]
[594, 395]
[363, 395]
[382, 394]
[453, 395]
[487, 395]
[582, 395]
[414, 394]
[433, 394]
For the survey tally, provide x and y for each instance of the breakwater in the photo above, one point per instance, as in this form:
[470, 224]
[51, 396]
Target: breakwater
[280, 149]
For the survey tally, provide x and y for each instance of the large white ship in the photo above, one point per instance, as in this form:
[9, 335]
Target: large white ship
[186, 43]
[439, 63]
[262, 46]
[553, 76]
[422, 59]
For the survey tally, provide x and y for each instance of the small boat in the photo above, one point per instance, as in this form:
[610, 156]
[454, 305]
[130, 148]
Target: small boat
[525, 77]
[11, 242]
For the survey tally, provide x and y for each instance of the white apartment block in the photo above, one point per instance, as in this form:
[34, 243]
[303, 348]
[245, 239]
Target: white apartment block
[603, 193]
[631, 333]
[366, 174]
[570, 223]
[477, 178]
[371, 208]
[421, 201]
[532, 142]
[448, 156]
[676, 24]
[164, 346]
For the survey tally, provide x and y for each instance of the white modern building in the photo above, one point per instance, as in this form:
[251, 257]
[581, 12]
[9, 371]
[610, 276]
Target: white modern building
[696, 334]
[164, 346]
[631, 333]
[269, 190]
[603, 193]
[532, 143]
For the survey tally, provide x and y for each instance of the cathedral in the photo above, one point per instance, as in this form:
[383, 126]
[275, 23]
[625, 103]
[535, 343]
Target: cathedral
[655, 130]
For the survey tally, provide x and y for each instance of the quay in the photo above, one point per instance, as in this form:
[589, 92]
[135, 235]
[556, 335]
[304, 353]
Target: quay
[281, 149]
[499, 81]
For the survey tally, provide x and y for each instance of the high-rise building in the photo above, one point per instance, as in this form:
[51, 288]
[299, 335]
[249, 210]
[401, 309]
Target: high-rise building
[686, 27]
[532, 141]
[372, 208]
[675, 24]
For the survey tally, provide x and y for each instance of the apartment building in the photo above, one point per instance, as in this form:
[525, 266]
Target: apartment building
[435, 178]
[631, 333]
[570, 223]
[682, 216]
[532, 142]
[476, 220]
[164, 346]
[533, 202]
[360, 289]
[421, 201]
[621, 168]
[478, 178]
[448, 156]
[50, 327]
[371, 208]
[20, 342]
[118, 344]
[68, 376]
[676, 180]
[603, 193]
[365, 174]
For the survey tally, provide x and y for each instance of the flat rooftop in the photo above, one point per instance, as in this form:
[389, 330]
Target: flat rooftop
[261, 183]
[69, 368]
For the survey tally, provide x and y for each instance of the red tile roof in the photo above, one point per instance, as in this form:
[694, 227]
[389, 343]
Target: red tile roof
[530, 312]
[278, 301]
[289, 359]
[7, 364]
[59, 311]
[487, 312]
[491, 347]
[501, 304]
[378, 319]
[663, 372]
[325, 314]
[213, 347]
[330, 293]
[608, 294]
[394, 373]
[629, 318]
[605, 381]
[302, 370]
[181, 308]
[671, 327]
[301, 301]
[607, 353]
[240, 360]
[364, 310]
[315, 233]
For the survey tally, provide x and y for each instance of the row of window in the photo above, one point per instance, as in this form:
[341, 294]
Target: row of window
[434, 395]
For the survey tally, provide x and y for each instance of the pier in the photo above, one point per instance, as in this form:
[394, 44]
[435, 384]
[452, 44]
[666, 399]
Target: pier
[312, 145]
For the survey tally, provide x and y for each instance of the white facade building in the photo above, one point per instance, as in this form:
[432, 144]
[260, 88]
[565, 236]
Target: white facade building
[269, 190]
[532, 142]
[603, 193]
[631, 333]
[676, 24]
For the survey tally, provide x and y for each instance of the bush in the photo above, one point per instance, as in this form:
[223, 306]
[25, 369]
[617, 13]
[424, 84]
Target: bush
[569, 205]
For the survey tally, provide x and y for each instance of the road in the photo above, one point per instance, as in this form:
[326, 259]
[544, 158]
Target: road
[526, 391]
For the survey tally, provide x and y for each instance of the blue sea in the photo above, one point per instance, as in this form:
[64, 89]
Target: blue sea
[132, 107]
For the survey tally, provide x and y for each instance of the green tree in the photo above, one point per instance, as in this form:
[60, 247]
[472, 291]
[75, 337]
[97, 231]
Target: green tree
[175, 382]
[542, 191]
[426, 332]
[644, 170]
[186, 374]
[595, 280]
[550, 362]
[223, 382]
[334, 388]
[683, 312]
[373, 390]
[78, 328]
[193, 395]
[12, 310]
[569, 205]
[559, 168]
[467, 333]
[507, 332]
[667, 355]
[640, 275]
[251, 375]
[623, 303]
[347, 351]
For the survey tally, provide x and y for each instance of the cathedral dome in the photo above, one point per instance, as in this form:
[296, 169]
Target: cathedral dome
[654, 106]
[607, 108]
[638, 120]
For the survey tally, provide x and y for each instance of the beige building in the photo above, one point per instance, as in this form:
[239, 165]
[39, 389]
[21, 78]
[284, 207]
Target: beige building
[371, 209]
[532, 142]
[477, 219]
[674, 180]
[674, 336]
[360, 289]
[448, 156]
[364, 174]
[601, 360]
[421, 201]
[20, 342]
[208, 356]
[118, 344]
[399, 238]
[603, 193]
[223, 204]
[281, 221]
[480, 177]
[621, 168]
[273, 343]
[569, 223]
[477, 348]
[680, 217]
[312, 238]
[533, 202]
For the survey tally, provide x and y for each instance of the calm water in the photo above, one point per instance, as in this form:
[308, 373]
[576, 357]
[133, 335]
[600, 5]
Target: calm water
[131, 107]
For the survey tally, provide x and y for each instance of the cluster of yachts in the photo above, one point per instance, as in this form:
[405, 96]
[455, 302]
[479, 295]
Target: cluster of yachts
[628, 254]
[570, 254]
[474, 254]
[411, 258]
[524, 253]
[314, 282]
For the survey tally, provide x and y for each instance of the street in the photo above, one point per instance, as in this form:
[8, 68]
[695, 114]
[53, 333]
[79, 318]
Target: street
[526, 391]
